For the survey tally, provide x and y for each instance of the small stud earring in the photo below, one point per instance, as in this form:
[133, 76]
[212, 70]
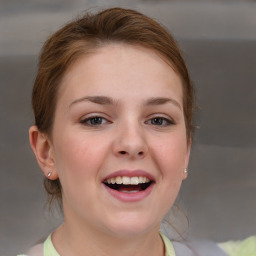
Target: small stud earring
[186, 171]
[49, 174]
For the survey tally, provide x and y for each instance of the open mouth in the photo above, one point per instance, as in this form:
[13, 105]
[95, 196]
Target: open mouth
[128, 184]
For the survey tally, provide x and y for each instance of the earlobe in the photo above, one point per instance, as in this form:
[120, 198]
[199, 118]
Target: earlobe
[185, 174]
[185, 171]
[43, 150]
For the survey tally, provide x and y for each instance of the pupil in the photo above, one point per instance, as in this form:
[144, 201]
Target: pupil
[157, 121]
[96, 120]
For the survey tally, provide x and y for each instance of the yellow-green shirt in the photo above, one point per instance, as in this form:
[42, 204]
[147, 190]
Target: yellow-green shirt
[246, 247]
[49, 250]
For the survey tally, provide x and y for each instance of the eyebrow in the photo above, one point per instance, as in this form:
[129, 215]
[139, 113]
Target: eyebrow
[161, 101]
[103, 100]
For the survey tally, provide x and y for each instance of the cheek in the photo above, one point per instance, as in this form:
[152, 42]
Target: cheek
[171, 158]
[78, 162]
[171, 154]
[78, 157]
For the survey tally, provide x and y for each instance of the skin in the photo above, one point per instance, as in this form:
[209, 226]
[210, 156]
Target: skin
[127, 136]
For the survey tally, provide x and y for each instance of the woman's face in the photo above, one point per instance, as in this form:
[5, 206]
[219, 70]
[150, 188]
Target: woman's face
[119, 140]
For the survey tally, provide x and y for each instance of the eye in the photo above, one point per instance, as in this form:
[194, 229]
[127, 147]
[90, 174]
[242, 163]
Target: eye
[94, 121]
[160, 121]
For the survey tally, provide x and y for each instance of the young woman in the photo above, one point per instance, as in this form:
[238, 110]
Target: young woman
[113, 106]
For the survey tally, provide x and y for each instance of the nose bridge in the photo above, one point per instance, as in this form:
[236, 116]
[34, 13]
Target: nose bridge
[130, 139]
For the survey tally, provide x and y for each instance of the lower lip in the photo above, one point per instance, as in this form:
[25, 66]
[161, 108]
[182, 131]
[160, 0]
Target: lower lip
[130, 197]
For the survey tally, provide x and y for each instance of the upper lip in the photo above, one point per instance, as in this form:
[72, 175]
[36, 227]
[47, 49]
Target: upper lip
[130, 173]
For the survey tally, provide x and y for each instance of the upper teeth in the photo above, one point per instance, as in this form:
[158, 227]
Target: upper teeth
[127, 180]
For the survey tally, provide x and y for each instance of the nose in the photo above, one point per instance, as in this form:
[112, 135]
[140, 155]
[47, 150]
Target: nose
[130, 142]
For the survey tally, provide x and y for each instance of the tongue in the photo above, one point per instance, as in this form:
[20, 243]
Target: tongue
[130, 188]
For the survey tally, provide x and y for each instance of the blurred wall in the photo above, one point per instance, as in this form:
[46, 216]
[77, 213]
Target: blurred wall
[218, 39]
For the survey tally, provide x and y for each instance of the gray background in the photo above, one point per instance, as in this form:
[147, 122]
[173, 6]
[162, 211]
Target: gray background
[218, 39]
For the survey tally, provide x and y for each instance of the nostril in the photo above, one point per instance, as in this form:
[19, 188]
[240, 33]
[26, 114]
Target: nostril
[123, 152]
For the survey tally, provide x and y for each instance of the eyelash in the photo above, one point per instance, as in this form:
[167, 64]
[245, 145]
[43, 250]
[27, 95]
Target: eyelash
[88, 121]
[164, 120]
[160, 121]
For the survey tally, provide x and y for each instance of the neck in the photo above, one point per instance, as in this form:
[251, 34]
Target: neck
[76, 241]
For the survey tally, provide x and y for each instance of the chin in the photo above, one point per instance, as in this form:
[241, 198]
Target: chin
[130, 227]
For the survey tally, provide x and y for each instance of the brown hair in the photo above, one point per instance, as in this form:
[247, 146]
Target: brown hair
[88, 33]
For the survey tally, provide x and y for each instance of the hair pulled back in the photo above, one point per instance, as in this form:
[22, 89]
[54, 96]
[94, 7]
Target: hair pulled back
[86, 34]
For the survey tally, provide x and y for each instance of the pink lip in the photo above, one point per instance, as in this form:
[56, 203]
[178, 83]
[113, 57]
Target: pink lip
[130, 173]
[130, 197]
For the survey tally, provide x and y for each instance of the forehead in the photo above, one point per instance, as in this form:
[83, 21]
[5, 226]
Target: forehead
[120, 67]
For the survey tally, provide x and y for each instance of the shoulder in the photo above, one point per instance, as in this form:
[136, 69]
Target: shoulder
[244, 247]
[36, 250]
[194, 247]
[206, 247]
[198, 248]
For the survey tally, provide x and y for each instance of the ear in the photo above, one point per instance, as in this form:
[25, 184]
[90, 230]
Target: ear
[185, 173]
[43, 150]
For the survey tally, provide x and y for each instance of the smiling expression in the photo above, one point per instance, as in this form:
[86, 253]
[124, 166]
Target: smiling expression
[119, 139]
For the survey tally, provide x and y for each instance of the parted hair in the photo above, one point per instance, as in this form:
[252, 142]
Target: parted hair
[86, 34]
